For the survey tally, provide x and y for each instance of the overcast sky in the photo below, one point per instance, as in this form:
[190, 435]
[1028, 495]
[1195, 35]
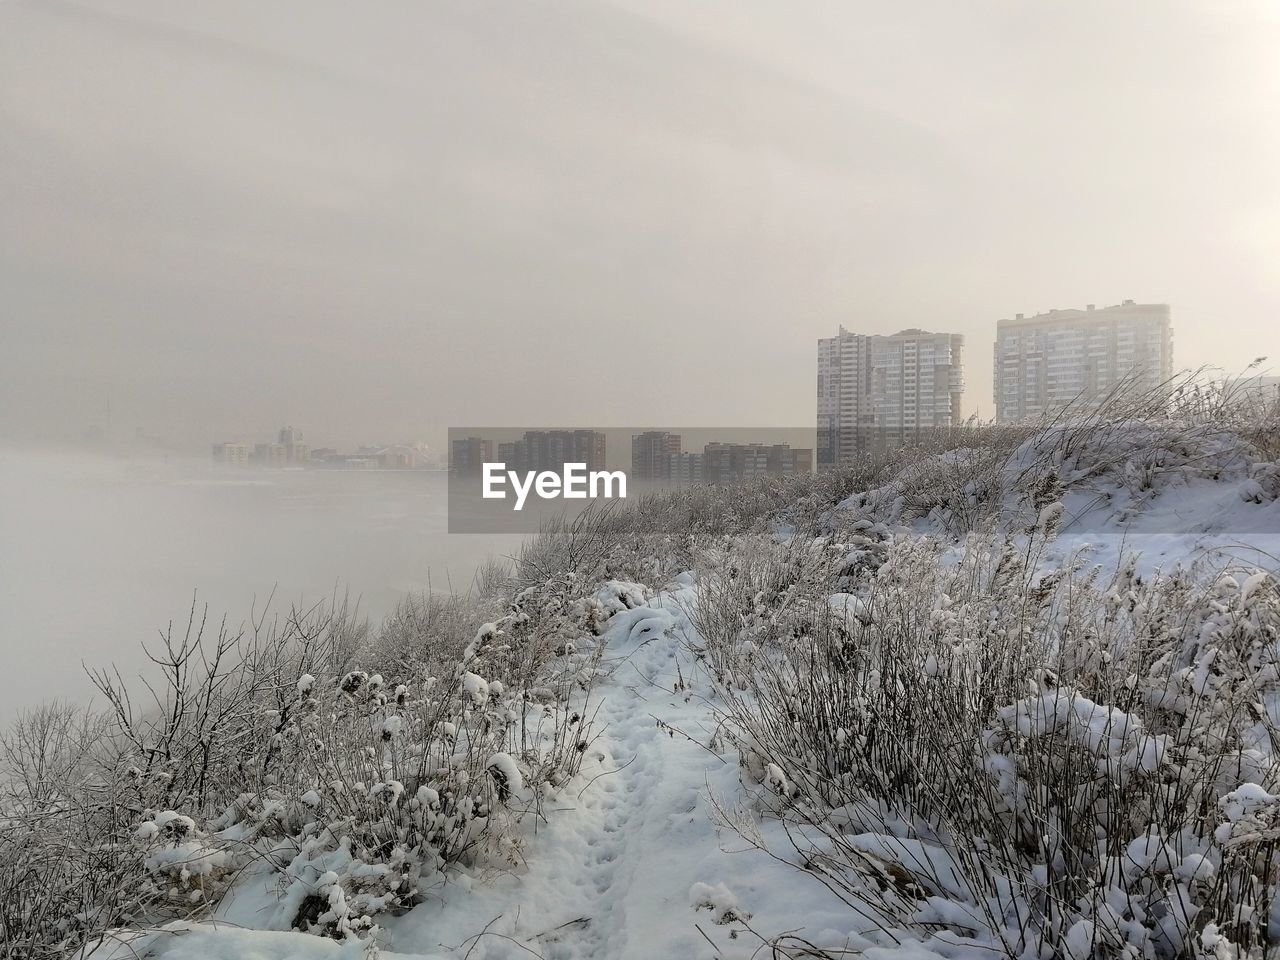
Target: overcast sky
[375, 220]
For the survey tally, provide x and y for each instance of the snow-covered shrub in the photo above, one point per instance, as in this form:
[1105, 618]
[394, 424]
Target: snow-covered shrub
[427, 631]
[63, 878]
[382, 783]
[185, 865]
[1025, 758]
[654, 536]
[72, 865]
[358, 768]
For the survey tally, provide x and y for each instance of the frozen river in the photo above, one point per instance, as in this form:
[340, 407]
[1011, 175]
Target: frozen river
[97, 555]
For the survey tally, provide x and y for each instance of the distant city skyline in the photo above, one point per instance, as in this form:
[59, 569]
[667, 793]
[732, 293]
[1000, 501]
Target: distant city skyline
[911, 378]
[289, 449]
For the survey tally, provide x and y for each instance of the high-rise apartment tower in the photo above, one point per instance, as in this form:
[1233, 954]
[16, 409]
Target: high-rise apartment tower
[1062, 356]
[877, 391]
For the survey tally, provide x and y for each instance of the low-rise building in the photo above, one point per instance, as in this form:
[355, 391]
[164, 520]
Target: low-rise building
[734, 462]
[234, 453]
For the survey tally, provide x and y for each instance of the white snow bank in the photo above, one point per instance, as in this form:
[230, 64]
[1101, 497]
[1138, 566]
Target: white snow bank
[208, 942]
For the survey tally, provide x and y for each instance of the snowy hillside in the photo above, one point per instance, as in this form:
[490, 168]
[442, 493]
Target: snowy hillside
[1019, 701]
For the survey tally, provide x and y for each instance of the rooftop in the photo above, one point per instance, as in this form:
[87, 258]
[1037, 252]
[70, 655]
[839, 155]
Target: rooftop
[1089, 312]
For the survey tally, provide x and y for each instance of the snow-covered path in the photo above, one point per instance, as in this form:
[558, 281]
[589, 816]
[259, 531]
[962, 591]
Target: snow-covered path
[611, 877]
[648, 816]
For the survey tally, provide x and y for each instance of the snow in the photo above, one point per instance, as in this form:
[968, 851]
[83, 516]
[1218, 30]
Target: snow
[476, 687]
[718, 900]
[1116, 738]
[505, 767]
[188, 941]
[1245, 801]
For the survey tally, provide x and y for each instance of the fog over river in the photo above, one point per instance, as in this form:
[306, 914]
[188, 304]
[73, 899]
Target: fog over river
[98, 554]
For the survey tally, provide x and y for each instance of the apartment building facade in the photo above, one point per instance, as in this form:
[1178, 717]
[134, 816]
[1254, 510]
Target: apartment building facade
[651, 454]
[876, 391]
[724, 463]
[686, 468]
[552, 449]
[1046, 361]
[468, 455]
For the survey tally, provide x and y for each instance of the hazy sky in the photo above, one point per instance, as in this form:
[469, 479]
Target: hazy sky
[377, 220]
